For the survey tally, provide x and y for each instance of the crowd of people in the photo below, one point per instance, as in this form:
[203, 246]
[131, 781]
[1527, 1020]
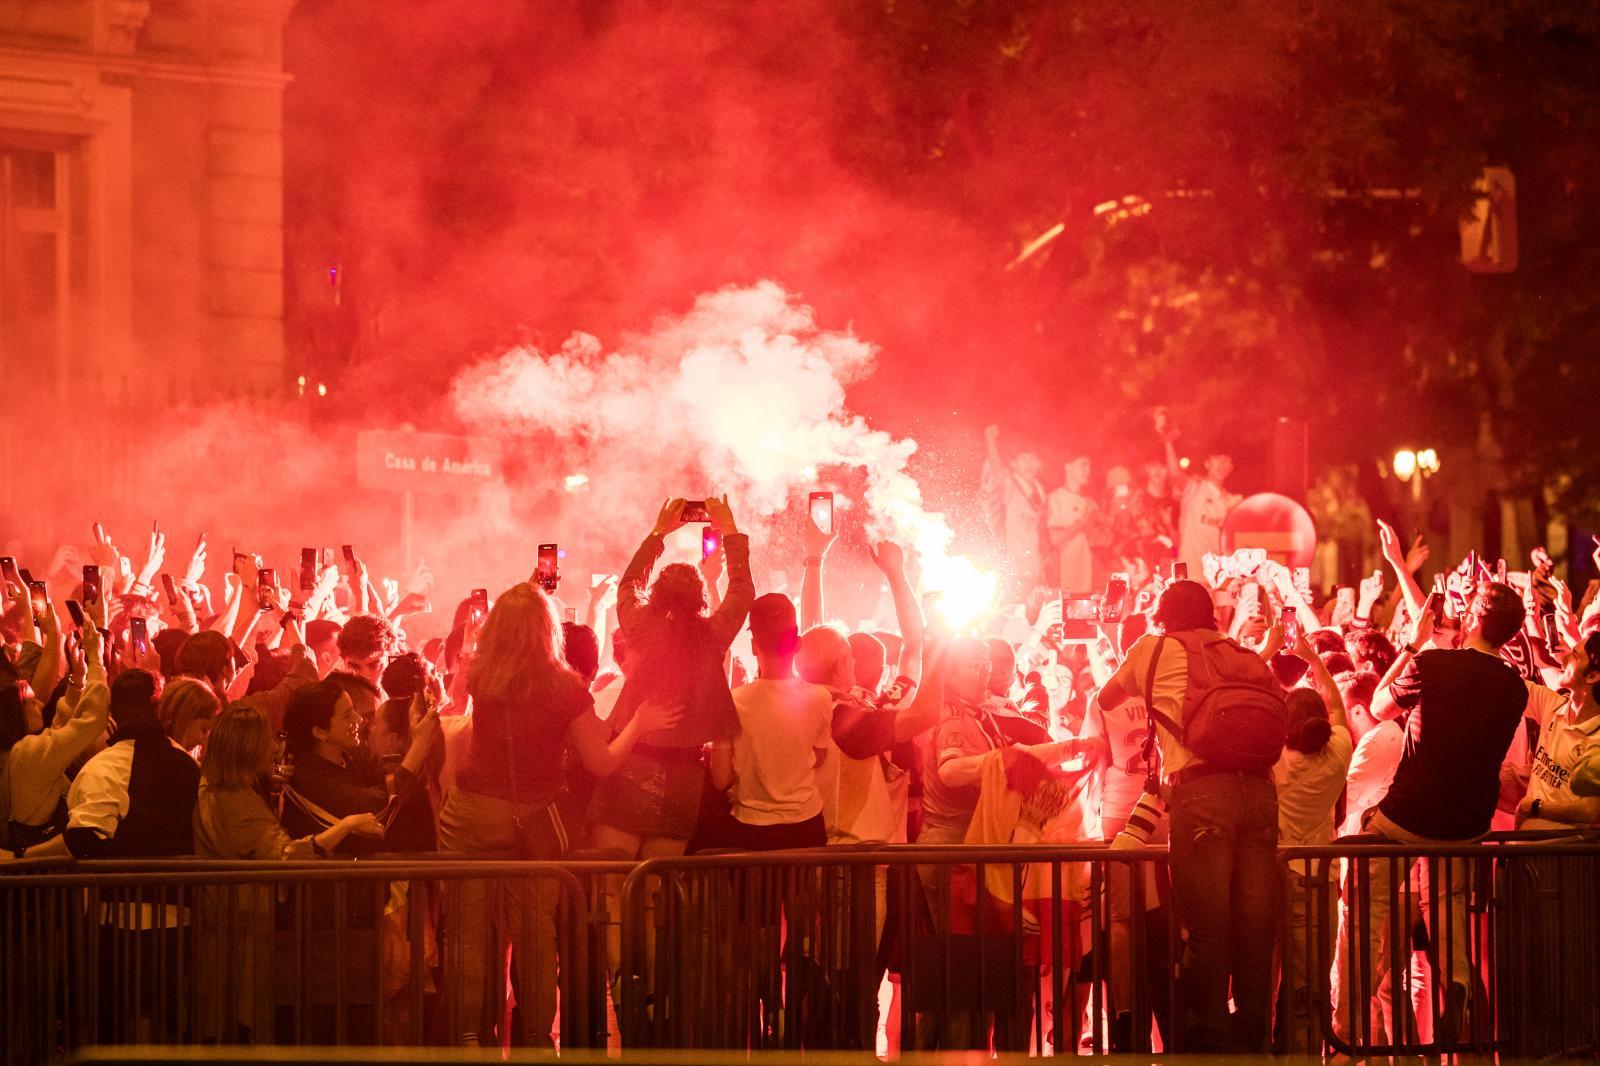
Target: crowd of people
[1224, 717]
[1071, 537]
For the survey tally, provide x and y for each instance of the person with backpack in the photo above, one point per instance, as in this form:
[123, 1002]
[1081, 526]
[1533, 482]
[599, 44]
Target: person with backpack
[1219, 721]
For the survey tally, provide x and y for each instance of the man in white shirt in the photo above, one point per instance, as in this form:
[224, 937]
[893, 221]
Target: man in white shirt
[1070, 512]
[1378, 748]
[770, 768]
[1205, 506]
[1016, 503]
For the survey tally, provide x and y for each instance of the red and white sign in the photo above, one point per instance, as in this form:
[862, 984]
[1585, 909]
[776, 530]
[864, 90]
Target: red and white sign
[1274, 523]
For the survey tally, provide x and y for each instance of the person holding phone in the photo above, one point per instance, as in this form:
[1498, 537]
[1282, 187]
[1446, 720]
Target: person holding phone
[675, 651]
[33, 787]
[1465, 706]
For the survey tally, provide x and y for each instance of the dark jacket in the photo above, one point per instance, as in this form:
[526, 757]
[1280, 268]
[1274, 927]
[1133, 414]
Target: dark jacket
[661, 666]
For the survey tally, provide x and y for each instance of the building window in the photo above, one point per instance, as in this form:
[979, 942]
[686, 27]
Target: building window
[35, 260]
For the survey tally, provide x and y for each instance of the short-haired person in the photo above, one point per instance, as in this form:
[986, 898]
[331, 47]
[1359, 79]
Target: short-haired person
[770, 768]
[1226, 880]
[366, 644]
[1465, 706]
[136, 798]
[208, 655]
[1568, 727]
[864, 791]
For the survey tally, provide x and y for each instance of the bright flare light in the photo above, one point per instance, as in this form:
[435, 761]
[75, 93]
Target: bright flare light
[968, 595]
[575, 482]
[1405, 464]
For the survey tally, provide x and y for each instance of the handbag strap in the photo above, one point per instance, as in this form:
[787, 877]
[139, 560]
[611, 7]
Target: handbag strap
[1152, 716]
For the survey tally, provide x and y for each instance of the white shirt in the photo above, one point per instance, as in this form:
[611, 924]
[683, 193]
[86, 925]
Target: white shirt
[864, 800]
[1308, 788]
[1122, 782]
[37, 766]
[1563, 742]
[1371, 772]
[781, 725]
[1068, 509]
[1205, 505]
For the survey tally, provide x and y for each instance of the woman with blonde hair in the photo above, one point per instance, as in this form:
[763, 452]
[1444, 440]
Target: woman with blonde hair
[187, 708]
[527, 705]
[232, 820]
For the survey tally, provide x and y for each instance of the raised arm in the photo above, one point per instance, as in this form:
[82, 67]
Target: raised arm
[631, 589]
[730, 614]
[1322, 681]
[907, 611]
[817, 544]
[1397, 692]
[1401, 563]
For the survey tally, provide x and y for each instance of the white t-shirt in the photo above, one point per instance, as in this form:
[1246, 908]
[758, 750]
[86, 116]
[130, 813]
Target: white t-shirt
[1205, 505]
[1563, 742]
[864, 800]
[1171, 680]
[1371, 773]
[1309, 786]
[781, 725]
[1068, 509]
[37, 766]
[1122, 782]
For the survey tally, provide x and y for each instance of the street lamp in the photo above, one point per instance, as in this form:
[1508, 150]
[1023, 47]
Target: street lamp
[1415, 467]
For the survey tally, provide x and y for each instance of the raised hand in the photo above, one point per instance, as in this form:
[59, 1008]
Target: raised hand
[197, 564]
[671, 517]
[1371, 590]
[153, 558]
[721, 514]
[104, 553]
[817, 542]
[1389, 545]
[421, 579]
[891, 559]
[1417, 554]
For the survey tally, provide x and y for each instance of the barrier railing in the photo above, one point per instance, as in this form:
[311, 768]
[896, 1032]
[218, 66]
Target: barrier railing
[1383, 949]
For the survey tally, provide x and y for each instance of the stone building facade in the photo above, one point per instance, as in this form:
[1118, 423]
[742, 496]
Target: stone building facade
[141, 199]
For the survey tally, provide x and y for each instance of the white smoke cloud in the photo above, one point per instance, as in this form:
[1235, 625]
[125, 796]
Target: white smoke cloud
[743, 394]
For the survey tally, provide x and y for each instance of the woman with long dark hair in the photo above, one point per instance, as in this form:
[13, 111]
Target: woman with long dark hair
[527, 705]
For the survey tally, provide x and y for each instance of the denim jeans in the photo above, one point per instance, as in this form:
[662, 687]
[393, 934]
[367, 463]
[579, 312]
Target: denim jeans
[485, 916]
[1226, 883]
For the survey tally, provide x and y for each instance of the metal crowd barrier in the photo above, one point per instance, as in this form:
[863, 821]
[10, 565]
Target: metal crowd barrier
[1021, 950]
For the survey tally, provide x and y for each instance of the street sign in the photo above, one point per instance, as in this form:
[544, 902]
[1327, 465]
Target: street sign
[425, 462]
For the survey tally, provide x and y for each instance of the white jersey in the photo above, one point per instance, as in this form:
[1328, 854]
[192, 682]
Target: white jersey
[1124, 728]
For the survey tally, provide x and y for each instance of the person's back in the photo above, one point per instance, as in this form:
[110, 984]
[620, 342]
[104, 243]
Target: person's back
[1466, 707]
[135, 799]
[782, 723]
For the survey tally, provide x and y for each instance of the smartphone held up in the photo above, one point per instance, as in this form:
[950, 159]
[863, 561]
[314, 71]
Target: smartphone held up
[820, 505]
[548, 569]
